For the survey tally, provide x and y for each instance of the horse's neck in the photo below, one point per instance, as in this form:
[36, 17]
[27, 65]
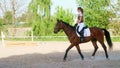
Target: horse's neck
[68, 30]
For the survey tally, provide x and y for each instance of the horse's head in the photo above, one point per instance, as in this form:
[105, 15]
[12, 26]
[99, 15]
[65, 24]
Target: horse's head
[58, 26]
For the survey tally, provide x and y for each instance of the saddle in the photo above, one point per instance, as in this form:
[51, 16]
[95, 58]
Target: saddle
[85, 32]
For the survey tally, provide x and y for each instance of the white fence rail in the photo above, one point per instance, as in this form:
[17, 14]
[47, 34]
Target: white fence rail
[33, 38]
[36, 36]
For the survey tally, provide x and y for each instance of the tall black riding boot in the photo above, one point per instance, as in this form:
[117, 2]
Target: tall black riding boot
[81, 33]
[82, 39]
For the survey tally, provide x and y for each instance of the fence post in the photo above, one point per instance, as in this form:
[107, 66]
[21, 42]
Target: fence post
[3, 41]
[32, 36]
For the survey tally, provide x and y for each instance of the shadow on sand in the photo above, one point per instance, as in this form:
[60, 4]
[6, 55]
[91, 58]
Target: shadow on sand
[54, 60]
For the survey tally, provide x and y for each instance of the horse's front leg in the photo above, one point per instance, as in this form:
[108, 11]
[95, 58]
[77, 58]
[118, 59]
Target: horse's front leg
[65, 56]
[79, 51]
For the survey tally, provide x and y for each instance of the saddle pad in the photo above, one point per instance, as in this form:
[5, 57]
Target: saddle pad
[86, 32]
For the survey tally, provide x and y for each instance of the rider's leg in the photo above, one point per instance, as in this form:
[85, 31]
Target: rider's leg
[82, 35]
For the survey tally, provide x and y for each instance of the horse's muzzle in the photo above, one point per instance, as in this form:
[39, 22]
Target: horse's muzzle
[55, 31]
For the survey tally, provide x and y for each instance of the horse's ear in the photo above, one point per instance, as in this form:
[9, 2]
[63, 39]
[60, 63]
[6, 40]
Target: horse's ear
[58, 20]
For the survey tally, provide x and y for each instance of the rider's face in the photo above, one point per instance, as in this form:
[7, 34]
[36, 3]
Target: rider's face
[79, 10]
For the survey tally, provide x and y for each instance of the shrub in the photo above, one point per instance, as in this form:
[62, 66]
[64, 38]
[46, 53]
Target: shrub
[115, 28]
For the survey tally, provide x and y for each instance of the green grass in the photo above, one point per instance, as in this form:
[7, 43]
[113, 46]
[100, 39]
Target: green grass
[114, 39]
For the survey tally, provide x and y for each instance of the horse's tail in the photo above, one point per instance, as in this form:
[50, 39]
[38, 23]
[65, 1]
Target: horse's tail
[108, 39]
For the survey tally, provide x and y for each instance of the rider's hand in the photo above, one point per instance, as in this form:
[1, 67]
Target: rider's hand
[75, 25]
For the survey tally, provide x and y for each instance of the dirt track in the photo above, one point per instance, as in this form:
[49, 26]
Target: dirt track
[50, 54]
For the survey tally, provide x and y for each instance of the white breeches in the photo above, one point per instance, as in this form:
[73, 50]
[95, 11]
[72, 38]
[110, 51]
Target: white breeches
[81, 25]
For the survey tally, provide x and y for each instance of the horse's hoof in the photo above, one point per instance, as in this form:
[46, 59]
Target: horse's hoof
[108, 58]
[92, 57]
[64, 59]
[82, 58]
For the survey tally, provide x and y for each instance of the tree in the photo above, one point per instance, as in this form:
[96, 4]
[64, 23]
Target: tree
[46, 26]
[8, 17]
[114, 26]
[116, 8]
[3, 6]
[40, 12]
[96, 12]
[23, 18]
[16, 5]
[1, 24]
[40, 6]
[65, 15]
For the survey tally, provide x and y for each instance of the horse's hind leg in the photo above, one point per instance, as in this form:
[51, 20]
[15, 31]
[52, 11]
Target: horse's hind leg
[94, 42]
[79, 51]
[67, 51]
[105, 49]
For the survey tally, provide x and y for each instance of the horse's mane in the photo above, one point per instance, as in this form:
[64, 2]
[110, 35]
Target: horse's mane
[68, 25]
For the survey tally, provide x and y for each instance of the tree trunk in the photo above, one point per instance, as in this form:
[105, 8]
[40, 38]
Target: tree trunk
[13, 12]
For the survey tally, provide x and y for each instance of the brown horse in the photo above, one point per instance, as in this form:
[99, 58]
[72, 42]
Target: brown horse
[97, 34]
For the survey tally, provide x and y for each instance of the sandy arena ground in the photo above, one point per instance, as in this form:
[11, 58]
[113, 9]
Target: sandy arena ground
[50, 55]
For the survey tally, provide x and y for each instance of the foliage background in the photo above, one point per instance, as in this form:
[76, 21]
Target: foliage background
[96, 14]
